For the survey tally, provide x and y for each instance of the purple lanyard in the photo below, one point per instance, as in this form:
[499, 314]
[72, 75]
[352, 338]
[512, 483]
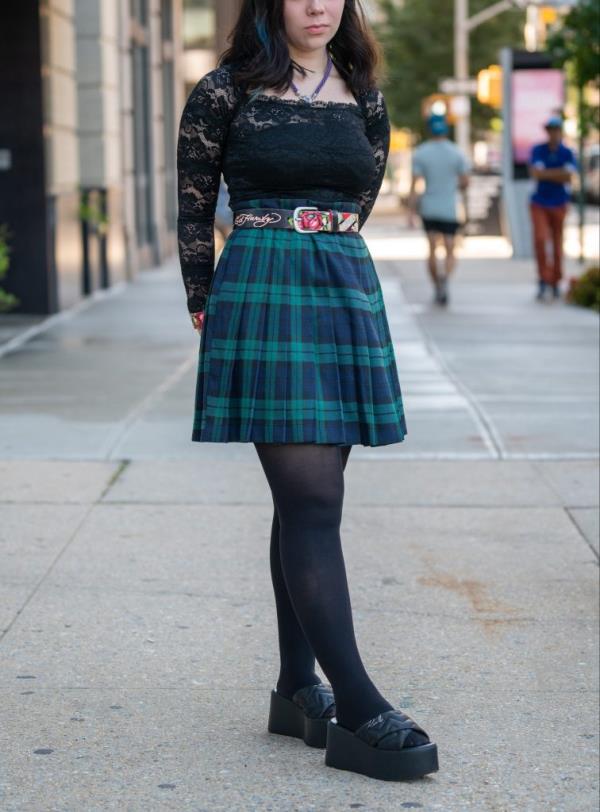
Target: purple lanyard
[318, 87]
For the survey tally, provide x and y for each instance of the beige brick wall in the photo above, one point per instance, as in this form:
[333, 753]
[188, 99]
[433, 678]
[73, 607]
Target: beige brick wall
[97, 26]
[59, 85]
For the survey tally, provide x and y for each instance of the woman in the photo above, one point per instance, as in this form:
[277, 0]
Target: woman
[295, 351]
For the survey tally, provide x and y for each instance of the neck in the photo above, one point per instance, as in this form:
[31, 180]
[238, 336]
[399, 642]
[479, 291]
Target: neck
[314, 60]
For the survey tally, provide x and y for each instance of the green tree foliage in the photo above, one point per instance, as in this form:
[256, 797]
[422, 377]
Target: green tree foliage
[418, 39]
[575, 43]
[585, 290]
[7, 300]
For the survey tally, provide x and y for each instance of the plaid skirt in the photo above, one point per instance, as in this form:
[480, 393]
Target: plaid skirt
[295, 345]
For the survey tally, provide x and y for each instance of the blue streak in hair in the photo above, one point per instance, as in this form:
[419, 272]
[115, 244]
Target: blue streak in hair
[261, 30]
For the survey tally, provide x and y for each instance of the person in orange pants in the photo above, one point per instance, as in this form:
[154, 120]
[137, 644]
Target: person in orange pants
[548, 224]
[552, 164]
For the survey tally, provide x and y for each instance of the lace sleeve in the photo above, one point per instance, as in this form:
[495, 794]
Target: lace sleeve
[378, 133]
[202, 133]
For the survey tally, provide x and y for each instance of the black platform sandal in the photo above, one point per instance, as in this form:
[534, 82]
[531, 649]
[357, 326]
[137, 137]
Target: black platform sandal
[377, 748]
[305, 715]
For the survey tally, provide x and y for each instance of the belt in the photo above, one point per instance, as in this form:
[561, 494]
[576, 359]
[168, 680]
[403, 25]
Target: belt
[304, 219]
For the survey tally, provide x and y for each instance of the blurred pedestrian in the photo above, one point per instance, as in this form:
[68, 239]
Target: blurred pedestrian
[552, 164]
[296, 354]
[445, 170]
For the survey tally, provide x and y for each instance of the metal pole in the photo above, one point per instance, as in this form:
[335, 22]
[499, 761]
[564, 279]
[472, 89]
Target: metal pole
[461, 69]
[581, 195]
[463, 25]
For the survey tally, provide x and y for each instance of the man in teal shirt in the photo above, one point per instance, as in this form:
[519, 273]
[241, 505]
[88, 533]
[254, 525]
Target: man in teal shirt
[445, 170]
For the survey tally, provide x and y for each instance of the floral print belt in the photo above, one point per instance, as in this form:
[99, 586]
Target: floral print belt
[304, 219]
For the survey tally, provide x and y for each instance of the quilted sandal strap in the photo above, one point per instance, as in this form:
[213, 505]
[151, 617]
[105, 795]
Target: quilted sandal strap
[391, 730]
[316, 701]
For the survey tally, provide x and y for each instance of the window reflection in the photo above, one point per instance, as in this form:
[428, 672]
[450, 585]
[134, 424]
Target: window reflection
[199, 39]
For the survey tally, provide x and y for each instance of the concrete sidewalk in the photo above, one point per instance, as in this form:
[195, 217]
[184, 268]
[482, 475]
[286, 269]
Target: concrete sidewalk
[139, 642]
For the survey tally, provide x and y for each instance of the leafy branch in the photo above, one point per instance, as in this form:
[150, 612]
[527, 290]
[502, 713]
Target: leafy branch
[8, 301]
[575, 44]
[91, 213]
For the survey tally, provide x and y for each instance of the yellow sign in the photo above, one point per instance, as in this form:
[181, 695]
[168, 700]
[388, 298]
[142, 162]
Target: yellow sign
[548, 14]
[399, 140]
[489, 86]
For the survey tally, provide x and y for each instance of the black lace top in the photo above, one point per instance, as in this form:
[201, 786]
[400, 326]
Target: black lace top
[269, 147]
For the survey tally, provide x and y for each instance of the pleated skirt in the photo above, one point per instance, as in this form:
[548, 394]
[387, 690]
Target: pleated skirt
[295, 346]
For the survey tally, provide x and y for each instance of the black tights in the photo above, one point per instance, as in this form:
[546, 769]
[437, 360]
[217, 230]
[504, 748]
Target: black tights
[314, 615]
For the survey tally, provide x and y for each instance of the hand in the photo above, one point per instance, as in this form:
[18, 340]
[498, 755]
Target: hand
[412, 219]
[197, 320]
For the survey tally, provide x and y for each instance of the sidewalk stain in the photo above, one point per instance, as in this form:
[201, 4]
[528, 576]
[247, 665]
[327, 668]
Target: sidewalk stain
[476, 592]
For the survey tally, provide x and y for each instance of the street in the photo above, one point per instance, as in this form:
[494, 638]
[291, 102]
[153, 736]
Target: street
[139, 642]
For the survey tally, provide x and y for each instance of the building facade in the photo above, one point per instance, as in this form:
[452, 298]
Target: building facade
[90, 97]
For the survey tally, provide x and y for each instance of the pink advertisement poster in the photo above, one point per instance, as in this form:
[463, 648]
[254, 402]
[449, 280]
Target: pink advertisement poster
[536, 95]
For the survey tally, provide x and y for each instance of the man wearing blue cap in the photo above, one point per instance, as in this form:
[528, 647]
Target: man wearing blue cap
[444, 169]
[552, 164]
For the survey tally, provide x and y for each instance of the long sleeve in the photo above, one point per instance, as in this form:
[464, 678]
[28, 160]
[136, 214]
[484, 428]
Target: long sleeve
[202, 134]
[378, 133]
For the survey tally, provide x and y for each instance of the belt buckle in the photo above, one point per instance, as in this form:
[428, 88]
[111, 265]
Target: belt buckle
[295, 215]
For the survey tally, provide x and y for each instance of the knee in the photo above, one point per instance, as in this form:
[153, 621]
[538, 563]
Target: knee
[314, 506]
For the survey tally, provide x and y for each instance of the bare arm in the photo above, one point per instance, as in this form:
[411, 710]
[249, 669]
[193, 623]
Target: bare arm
[412, 195]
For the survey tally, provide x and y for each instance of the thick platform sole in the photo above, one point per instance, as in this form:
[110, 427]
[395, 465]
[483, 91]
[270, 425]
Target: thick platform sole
[288, 719]
[347, 752]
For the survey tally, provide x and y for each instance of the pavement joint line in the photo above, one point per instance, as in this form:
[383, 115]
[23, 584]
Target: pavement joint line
[592, 399]
[541, 456]
[362, 505]
[581, 534]
[4, 632]
[490, 436]
[459, 456]
[424, 456]
[62, 503]
[123, 464]
[542, 473]
[64, 315]
[138, 410]
[259, 689]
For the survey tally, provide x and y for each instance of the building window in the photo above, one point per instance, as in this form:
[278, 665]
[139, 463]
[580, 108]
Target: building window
[199, 24]
[199, 39]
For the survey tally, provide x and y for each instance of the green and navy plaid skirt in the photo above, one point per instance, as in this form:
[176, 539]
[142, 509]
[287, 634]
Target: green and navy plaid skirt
[295, 345]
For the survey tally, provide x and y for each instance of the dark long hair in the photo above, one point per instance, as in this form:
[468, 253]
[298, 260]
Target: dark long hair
[260, 58]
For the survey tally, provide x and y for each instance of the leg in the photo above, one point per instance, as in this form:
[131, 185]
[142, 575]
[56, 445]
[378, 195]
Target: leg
[557, 220]
[438, 279]
[308, 487]
[449, 246]
[540, 237]
[297, 659]
[431, 259]
[449, 267]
